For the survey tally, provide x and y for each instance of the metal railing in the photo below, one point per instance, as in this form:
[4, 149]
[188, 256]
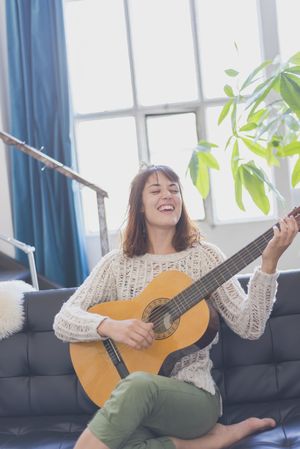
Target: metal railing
[68, 172]
[29, 250]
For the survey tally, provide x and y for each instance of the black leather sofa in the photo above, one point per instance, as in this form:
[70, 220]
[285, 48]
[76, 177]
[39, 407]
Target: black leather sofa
[42, 405]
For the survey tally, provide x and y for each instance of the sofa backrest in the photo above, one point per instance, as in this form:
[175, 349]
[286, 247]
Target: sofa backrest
[36, 374]
[37, 377]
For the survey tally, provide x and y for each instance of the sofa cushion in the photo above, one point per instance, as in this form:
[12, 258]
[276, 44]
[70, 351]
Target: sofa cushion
[283, 436]
[41, 432]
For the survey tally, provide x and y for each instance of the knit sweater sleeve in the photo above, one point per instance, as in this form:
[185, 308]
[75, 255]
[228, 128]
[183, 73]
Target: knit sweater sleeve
[74, 323]
[245, 314]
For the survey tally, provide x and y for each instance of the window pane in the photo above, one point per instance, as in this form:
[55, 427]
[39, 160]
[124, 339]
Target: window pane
[288, 13]
[225, 207]
[98, 55]
[107, 153]
[220, 24]
[163, 51]
[171, 142]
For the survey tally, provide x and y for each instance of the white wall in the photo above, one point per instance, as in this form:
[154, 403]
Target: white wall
[229, 238]
[6, 227]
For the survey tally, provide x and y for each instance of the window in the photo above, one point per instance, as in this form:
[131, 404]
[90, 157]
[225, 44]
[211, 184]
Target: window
[147, 81]
[98, 55]
[288, 12]
[170, 139]
[221, 25]
[110, 142]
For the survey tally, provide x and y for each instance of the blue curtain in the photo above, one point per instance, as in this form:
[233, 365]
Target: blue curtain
[46, 205]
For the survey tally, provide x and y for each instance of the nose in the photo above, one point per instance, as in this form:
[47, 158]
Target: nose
[166, 193]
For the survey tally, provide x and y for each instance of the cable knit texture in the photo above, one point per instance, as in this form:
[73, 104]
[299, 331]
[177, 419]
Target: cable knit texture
[117, 276]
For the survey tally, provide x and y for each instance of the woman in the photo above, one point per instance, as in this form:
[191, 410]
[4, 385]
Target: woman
[181, 411]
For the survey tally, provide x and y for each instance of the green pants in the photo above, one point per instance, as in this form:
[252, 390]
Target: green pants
[145, 409]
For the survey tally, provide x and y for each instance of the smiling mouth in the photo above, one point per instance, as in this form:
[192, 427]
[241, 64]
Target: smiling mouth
[166, 208]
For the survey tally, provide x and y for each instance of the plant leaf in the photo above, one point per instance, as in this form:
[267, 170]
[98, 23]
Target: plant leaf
[228, 90]
[258, 116]
[259, 95]
[203, 145]
[248, 127]
[296, 173]
[289, 150]
[235, 158]
[228, 142]
[193, 167]
[295, 59]
[271, 127]
[210, 160]
[276, 85]
[202, 181]
[224, 111]
[260, 174]
[295, 69]
[255, 72]
[290, 91]
[291, 122]
[233, 119]
[255, 147]
[292, 77]
[231, 72]
[271, 158]
[238, 190]
[199, 173]
[256, 189]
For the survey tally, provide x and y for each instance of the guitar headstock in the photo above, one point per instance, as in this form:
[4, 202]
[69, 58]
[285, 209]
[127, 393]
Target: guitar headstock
[296, 214]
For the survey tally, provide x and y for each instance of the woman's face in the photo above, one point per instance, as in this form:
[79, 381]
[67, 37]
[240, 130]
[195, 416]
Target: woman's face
[162, 202]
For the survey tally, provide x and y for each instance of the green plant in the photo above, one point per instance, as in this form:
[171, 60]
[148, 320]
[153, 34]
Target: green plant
[264, 112]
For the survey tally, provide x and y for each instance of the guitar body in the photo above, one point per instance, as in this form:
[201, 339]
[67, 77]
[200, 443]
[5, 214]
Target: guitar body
[92, 363]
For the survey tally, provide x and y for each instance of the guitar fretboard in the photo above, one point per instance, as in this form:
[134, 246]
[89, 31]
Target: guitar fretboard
[219, 275]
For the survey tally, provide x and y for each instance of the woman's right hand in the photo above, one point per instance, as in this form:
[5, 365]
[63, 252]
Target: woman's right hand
[135, 333]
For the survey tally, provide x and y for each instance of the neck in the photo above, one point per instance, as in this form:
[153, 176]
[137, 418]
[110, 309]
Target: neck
[160, 241]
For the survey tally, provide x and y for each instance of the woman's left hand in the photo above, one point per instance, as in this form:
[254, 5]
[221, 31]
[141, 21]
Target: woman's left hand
[281, 240]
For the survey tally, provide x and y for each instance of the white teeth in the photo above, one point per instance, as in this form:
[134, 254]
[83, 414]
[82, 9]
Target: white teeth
[166, 207]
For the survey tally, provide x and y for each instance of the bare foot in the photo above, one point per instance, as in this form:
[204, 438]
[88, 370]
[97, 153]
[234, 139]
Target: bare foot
[222, 436]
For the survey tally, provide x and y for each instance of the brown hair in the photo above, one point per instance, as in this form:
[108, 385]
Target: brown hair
[135, 242]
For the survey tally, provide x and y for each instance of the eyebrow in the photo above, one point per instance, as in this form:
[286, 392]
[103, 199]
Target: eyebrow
[158, 185]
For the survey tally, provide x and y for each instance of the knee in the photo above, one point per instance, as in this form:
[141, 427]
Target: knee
[140, 383]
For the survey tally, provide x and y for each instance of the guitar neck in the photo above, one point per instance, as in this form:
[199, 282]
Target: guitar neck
[219, 275]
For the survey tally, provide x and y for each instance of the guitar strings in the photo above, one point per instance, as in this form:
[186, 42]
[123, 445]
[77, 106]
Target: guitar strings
[193, 292]
[189, 294]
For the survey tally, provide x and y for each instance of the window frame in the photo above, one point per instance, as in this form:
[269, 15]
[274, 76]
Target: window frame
[269, 41]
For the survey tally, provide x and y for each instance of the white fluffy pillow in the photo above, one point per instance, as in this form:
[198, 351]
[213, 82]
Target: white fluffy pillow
[11, 306]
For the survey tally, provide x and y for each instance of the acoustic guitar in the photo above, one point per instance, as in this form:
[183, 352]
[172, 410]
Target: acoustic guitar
[183, 323]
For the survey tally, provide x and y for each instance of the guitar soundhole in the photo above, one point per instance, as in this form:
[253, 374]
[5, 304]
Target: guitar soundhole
[159, 312]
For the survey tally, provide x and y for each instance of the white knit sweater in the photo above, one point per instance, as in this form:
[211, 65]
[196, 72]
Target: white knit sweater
[119, 277]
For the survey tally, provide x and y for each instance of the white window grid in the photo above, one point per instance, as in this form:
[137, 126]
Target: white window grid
[269, 41]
